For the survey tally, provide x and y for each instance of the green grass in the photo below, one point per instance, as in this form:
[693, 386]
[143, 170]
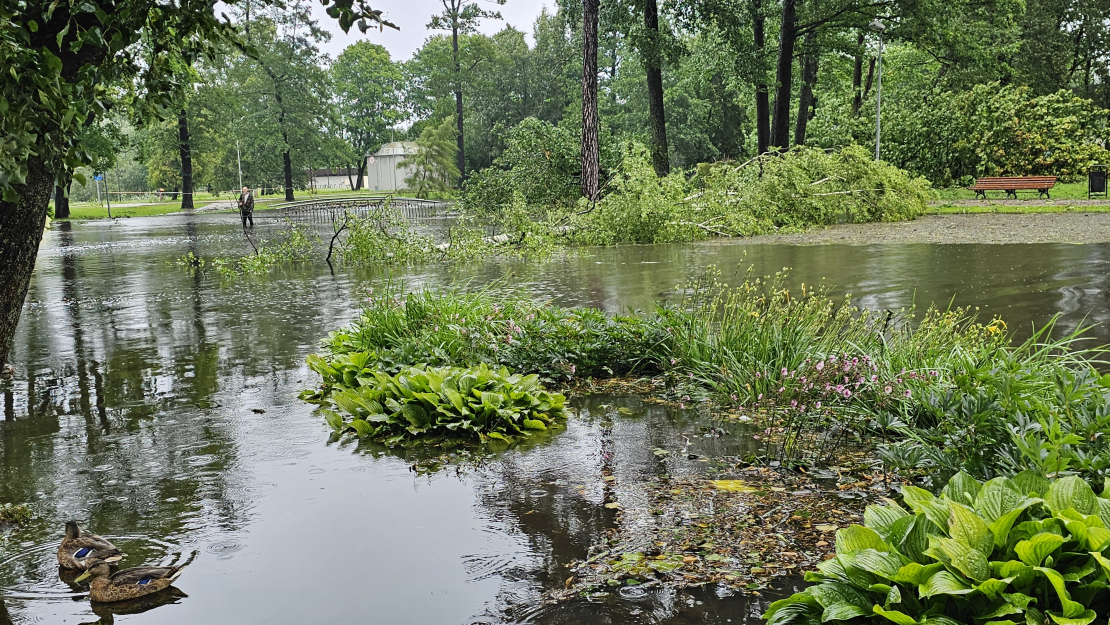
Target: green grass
[1062, 191]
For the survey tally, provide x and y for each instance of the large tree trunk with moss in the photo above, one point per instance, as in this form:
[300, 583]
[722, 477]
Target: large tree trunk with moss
[186, 160]
[591, 154]
[788, 35]
[21, 226]
[762, 99]
[657, 120]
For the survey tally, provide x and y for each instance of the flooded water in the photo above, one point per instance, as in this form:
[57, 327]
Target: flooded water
[157, 405]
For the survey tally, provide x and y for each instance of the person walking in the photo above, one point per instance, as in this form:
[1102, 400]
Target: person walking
[246, 207]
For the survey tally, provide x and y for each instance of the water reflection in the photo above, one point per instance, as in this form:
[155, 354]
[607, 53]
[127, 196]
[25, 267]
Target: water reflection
[157, 406]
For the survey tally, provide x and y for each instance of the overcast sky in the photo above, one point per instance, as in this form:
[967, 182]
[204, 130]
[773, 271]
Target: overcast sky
[413, 15]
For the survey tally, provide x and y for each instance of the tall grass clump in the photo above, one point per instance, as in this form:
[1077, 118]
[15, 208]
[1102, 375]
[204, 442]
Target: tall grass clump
[495, 325]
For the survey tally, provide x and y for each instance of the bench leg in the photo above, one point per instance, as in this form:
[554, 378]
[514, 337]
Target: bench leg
[980, 195]
[1011, 194]
[1044, 194]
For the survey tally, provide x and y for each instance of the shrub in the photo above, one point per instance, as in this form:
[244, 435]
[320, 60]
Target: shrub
[1022, 550]
[478, 404]
[15, 514]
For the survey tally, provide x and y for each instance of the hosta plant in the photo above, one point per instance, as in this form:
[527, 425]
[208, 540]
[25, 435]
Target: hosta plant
[468, 403]
[1005, 552]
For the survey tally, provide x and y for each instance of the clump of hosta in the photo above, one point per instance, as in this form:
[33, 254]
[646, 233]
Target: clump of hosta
[468, 403]
[1005, 552]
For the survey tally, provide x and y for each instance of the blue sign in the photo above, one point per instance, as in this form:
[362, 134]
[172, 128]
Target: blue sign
[98, 177]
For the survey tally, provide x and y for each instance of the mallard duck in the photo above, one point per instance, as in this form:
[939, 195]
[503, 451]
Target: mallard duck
[77, 549]
[128, 583]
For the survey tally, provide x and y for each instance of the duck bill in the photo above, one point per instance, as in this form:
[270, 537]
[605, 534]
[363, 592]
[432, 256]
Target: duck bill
[83, 577]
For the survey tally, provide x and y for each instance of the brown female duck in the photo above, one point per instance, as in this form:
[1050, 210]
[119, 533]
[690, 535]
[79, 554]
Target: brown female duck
[77, 549]
[128, 583]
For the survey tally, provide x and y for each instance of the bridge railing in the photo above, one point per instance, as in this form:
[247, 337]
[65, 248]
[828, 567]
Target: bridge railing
[327, 208]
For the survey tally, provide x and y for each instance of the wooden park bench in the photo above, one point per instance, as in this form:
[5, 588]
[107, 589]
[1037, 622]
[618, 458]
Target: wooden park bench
[1011, 185]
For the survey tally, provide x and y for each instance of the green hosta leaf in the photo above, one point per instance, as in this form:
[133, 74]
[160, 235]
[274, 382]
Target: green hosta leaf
[334, 420]
[999, 609]
[894, 615]
[534, 424]
[922, 501]
[915, 541]
[786, 611]
[1084, 618]
[884, 564]
[842, 612]
[940, 620]
[882, 518]
[945, 583]
[915, 574]
[961, 556]
[993, 588]
[857, 537]
[966, 526]
[1072, 493]
[416, 415]
[1102, 561]
[362, 428]
[1032, 552]
[1031, 483]
[962, 488]
[1022, 574]
[1098, 538]
[835, 593]
[1072, 609]
[1000, 502]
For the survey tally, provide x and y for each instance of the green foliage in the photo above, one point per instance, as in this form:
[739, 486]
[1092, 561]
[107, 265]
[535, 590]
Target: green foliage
[476, 404]
[495, 326]
[434, 162]
[800, 189]
[368, 86]
[1041, 405]
[294, 243]
[540, 162]
[993, 552]
[994, 130]
[14, 514]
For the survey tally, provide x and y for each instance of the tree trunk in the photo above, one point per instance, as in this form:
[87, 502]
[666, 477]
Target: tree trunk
[186, 160]
[458, 97]
[788, 35]
[656, 118]
[61, 201]
[591, 156]
[762, 103]
[21, 226]
[807, 102]
[857, 77]
[288, 161]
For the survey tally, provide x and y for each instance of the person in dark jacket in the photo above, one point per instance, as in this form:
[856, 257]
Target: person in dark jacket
[246, 207]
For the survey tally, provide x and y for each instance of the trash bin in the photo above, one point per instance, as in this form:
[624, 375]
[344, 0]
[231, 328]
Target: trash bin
[1096, 181]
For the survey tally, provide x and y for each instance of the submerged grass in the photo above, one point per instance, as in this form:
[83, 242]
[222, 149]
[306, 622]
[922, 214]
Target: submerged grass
[936, 393]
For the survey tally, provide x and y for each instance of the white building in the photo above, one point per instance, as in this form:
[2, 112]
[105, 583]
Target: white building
[332, 178]
[381, 168]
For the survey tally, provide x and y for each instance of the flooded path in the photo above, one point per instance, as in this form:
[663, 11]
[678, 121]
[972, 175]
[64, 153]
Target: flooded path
[158, 406]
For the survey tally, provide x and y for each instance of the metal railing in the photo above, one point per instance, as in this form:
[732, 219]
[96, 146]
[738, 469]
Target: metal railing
[329, 207]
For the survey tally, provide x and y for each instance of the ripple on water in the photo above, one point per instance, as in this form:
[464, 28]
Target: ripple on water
[199, 461]
[633, 593]
[224, 548]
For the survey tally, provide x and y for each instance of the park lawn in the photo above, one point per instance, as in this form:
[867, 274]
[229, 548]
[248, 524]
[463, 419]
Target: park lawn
[1062, 191]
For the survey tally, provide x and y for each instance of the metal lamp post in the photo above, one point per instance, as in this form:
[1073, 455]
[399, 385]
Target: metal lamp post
[879, 27]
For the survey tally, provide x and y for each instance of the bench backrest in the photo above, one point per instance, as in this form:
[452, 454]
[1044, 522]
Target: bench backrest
[1016, 182]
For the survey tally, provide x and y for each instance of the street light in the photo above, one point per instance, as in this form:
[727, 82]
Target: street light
[879, 27]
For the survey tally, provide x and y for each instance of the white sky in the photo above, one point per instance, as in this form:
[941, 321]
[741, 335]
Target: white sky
[413, 15]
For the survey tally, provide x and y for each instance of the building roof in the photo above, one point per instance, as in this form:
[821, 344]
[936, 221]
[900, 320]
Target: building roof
[398, 148]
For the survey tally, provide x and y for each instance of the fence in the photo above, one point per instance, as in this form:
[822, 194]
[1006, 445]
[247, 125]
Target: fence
[327, 208]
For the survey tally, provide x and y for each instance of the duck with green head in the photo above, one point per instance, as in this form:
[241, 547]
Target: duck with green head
[79, 548]
[129, 583]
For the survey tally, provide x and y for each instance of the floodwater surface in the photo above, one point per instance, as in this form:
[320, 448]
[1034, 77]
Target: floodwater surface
[157, 405]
